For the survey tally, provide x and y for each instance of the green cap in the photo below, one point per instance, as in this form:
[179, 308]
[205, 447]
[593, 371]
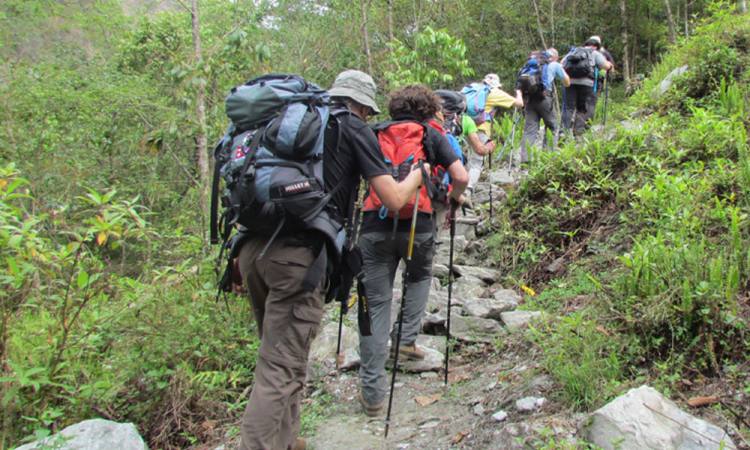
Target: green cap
[357, 86]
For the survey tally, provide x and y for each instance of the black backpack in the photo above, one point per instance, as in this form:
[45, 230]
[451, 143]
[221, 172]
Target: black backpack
[530, 79]
[271, 161]
[580, 63]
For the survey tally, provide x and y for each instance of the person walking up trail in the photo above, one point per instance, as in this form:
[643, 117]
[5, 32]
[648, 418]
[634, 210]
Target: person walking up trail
[285, 275]
[583, 65]
[384, 238]
[495, 98]
[536, 83]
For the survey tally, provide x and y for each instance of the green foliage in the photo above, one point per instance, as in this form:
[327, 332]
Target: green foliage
[658, 213]
[582, 358]
[436, 59]
[77, 332]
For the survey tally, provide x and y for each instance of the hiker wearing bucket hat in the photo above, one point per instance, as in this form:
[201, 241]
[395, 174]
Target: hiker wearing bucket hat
[286, 278]
[357, 86]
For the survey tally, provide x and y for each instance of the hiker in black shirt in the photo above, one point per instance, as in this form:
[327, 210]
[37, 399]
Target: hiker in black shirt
[287, 310]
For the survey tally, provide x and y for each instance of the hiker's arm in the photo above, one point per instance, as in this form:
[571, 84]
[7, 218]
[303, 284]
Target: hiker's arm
[396, 195]
[476, 145]
[563, 76]
[459, 178]
[518, 102]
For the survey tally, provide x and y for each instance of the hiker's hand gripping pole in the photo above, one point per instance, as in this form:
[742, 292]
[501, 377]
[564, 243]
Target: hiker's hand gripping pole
[409, 252]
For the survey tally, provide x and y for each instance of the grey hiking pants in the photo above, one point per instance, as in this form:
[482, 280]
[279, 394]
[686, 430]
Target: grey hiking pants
[537, 109]
[381, 255]
[476, 162]
[579, 105]
[288, 312]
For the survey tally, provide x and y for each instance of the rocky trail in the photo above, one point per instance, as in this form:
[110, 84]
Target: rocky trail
[496, 396]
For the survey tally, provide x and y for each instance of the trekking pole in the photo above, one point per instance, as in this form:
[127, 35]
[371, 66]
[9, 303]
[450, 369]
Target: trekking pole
[490, 181]
[409, 250]
[450, 292]
[338, 341]
[606, 97]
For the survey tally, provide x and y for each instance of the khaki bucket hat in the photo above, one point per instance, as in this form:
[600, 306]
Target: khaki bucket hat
[356, 85]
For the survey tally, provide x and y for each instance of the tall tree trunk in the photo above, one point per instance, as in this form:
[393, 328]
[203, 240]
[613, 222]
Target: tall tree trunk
[670, 22]
[742, 6]
[687, 18]
[364, 6]
[553, 40]
[539, 24]
[625, 48]
[201, 146]
[390, 20]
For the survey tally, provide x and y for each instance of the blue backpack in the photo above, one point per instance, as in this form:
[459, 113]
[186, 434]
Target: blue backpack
[476, 99]
[271, 160]
[531, 78]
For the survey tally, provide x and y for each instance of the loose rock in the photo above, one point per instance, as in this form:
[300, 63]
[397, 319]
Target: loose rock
[475, 329]
[322, 359]
[516, 320]
[529, 404]
[489, 276]
[500, 416]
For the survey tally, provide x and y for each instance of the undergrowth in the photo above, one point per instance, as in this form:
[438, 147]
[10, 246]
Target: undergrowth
[651, 219]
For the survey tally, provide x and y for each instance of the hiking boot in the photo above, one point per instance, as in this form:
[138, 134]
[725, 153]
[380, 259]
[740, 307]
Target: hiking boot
[299, 444]
[371, 410]
[411, 352]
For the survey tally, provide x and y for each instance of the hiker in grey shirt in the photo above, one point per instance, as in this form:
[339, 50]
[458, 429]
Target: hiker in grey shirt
[583, 65]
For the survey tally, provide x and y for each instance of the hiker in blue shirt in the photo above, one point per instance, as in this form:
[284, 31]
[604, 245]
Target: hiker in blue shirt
[539, 103]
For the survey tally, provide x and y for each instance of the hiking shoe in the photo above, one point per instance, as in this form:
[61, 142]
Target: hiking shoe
[299, 444]
[411, 352]
[371, 410]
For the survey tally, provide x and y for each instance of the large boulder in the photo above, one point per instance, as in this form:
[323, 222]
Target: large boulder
[645, 419]
[94, 434]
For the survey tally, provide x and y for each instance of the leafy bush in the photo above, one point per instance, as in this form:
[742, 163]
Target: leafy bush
[78, 333]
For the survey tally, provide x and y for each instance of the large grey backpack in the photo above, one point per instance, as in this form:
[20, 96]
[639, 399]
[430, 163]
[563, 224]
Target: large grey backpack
[271, 160]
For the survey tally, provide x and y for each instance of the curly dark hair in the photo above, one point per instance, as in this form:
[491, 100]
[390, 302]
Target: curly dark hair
[415, 101]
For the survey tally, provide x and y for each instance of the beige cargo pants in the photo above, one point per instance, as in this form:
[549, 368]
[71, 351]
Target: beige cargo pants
[288, 310]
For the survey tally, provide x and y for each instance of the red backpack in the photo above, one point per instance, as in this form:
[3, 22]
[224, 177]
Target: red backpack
[403, 145]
